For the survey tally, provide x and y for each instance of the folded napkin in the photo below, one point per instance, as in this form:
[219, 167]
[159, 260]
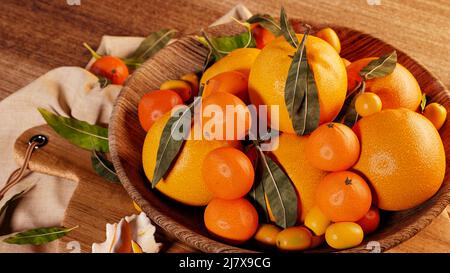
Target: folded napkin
[72, 92]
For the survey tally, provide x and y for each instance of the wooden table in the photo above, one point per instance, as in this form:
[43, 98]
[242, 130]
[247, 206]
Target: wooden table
[36, 36]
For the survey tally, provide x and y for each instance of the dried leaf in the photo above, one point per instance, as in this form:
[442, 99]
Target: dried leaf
[79, 133]
[38, 236]
[287, 30]
[380, 67]
[300, 94]
[104, 167]
[280, 192]
[267, 22]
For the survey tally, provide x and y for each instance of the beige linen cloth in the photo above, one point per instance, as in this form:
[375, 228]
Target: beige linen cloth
[70, 91]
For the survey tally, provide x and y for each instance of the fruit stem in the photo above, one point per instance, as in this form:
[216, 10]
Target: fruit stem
[93, 53]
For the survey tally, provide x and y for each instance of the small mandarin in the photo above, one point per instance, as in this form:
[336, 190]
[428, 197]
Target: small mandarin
[436, 113]
[367, 104]
[370, 221]
[181, 87]
[294, 239]
[267, 234]
[330, 36]
[155, 104]
[233, 82]
[235, 221]
[344, 235]
[333, 147]
[228, 173]
[343, 196]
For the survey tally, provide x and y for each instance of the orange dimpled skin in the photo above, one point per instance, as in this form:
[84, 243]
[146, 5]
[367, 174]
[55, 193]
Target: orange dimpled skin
[154, 105]
[228, 173]
[233, 82]
[333, 147]
[234, 221]
[343, 196]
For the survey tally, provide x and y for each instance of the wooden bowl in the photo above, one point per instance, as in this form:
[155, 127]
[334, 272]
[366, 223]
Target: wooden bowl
[186, 223]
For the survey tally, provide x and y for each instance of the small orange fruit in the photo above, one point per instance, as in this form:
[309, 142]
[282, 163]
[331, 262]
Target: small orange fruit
[333, 147]
[294, 238]
[183, 88]
[343, 196]
[267, 234]
[262, 36]
[329, 35]
[228, 173]
[233, 82]
[225, 116]
[436, 113]
[234, 221]
[398, 89]
[367, 104]
[153, 105]
[193, 80]
[344, 235]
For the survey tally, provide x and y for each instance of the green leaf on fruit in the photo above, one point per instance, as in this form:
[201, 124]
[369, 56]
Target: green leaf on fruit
[300, 93]
[287, 30]
[380, 67]
[267, 22]
[169, 146]
[348, 114]
[423, 103]
[280, 192]
[79, 133]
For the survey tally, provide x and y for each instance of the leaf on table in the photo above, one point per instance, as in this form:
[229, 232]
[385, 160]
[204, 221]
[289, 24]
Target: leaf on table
[150, 46]
[281, 194]
[287, 30]
[380, 67]
[170, 146]
[300, 94]
[38, 236]
[267, 22]
[104, 167]
[79, 133]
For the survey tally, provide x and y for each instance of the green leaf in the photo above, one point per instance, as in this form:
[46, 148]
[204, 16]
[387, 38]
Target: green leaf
[79, 133]
[348, 114]
[423, 103]
[287, 30]
[267, 22]
[280, 192]
[104, 167]
[257, 194]
[150, 46]
[169, 147]
[221, 46]
[38, 236]
[380, 67]
[300, 93]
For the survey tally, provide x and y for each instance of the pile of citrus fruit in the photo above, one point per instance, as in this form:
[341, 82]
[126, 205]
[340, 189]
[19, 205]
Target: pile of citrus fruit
[390, 158]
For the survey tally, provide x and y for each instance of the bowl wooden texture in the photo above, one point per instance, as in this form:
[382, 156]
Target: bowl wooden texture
[186, 223]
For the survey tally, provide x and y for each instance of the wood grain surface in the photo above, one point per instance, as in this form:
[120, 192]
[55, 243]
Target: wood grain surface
[38, 35]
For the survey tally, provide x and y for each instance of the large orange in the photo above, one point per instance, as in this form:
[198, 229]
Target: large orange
[291, 155]
[269, 73]
[398, 89]
[402, 156]
[184, 182]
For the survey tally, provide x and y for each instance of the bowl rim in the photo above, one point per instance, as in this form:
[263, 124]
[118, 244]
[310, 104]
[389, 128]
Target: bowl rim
[191, 238]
